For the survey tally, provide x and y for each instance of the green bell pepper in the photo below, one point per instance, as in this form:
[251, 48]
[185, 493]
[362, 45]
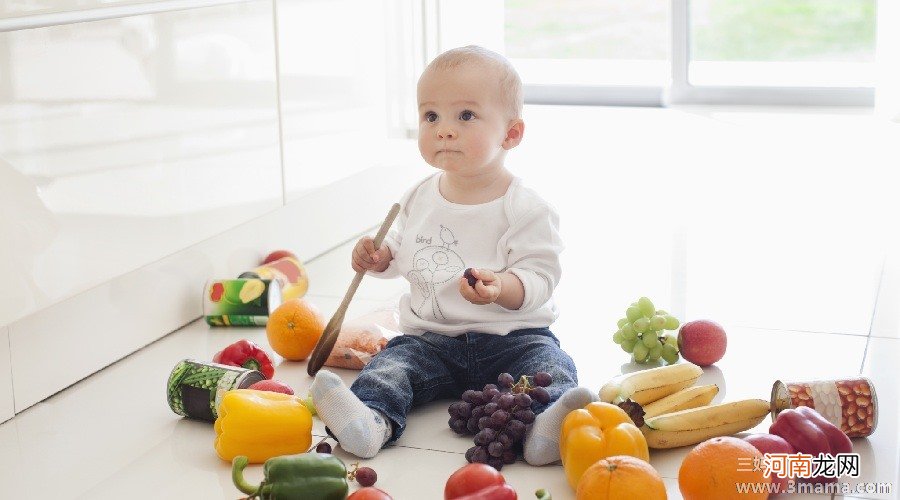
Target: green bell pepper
[310, 476]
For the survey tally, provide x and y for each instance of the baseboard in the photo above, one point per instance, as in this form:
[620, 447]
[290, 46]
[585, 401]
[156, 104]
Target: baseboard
[62, 344]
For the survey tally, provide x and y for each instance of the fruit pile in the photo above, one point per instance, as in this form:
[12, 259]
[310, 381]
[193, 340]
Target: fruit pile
[642, 334]
[499, 417]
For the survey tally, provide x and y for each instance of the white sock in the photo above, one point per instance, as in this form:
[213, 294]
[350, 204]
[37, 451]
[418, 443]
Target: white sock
[359, 429]
[542, 440]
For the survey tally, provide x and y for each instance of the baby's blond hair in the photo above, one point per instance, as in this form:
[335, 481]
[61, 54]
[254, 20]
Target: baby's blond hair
[510, 83]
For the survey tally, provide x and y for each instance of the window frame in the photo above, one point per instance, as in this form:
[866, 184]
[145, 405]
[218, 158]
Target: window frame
[682, 91]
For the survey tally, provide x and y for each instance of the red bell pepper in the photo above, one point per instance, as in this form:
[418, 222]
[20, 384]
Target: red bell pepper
[808, 432]
[246, 354]
[478, 482]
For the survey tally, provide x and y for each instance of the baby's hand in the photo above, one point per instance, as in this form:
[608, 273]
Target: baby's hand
[366, 258]
[486, 289]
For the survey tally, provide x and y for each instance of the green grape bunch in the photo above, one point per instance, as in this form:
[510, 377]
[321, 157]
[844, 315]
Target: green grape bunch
[642, 333]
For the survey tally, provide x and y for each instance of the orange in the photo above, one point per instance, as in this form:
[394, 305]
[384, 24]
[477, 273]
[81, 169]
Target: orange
[294, 328]
[715, 467]
[620, 477]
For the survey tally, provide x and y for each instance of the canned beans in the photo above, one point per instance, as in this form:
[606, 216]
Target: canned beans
[849, 404]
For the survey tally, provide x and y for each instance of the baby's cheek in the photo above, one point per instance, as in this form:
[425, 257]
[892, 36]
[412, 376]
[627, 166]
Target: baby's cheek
[481, 150]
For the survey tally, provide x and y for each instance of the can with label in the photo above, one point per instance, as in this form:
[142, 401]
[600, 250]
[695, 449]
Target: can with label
[196, 388]
[850, 404]
[288, 271]
[240, 302]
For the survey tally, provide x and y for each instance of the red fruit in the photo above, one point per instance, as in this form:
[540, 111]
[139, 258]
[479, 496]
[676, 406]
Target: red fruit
[369, 493]
[702, 342]
[278, 254]
[272, 386]
[770, 443]
[479, 481]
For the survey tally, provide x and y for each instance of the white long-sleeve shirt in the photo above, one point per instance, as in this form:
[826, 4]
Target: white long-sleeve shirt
[434, 241]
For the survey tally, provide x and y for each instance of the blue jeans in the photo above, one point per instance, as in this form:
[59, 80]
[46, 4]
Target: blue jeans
[415, 369]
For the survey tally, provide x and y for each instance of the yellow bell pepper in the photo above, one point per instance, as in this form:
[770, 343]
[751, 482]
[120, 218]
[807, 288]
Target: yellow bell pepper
[597, 431]
[261, 425]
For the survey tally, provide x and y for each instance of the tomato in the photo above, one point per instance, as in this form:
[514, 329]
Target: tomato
[478, 480]
[369, 493]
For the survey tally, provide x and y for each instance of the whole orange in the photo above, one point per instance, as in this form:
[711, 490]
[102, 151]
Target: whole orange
[294, 328]
[620, 477]
[715, 467]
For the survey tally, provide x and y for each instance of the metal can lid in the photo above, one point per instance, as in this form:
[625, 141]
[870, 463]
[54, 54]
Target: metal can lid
[248, 379]
[780, 399]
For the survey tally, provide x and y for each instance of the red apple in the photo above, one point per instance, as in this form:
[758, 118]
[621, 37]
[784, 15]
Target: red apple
[770, 443]
[702, 342]
[278, 254]
[272, 386]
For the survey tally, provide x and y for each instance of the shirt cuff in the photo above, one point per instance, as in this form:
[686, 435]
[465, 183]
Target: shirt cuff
[535, 289]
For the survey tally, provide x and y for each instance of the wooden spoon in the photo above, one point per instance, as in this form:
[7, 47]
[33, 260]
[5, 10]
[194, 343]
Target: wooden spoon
[326, 342]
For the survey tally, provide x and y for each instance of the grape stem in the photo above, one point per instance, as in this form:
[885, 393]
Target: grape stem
[522, 386]
[313, 447]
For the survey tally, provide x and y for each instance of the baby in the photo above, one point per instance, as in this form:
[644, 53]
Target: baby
[472, 214]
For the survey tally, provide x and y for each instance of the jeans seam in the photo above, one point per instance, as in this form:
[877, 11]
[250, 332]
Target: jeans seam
[471, 362]
[431, 384]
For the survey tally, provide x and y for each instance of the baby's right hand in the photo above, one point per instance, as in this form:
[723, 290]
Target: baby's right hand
[366, 258]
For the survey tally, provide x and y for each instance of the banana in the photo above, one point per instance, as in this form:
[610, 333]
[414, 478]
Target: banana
[647, 386]
[692, 426]
[684, 399]
[610, 390]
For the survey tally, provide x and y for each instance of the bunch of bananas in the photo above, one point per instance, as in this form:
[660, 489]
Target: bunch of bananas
[678, 413]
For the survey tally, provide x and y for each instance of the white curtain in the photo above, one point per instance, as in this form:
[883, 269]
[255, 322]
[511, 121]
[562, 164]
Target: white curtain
[887, 92]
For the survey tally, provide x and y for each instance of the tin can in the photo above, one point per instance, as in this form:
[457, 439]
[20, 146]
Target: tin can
[850, 404]
[240, 302]
[195, 388]
[288, 271]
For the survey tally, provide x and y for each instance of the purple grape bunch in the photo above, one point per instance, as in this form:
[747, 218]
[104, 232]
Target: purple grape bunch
[499, 416]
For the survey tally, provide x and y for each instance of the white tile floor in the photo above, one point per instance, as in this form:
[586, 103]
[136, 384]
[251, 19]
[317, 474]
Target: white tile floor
[799, 302]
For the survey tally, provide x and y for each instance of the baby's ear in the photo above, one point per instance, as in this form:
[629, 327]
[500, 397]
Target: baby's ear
[514, 133]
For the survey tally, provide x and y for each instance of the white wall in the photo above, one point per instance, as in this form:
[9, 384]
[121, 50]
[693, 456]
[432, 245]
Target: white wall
[141, 154]
[7, 408]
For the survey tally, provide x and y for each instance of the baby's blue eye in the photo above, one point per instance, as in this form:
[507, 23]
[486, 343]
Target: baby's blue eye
[431, 116]
[467, 116]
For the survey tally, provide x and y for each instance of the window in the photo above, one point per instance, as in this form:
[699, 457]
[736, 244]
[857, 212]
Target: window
[812, 43]
[649, 52]
[589, 42]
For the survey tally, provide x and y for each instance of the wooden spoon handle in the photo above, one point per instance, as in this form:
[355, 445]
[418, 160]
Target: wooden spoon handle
[379, 238]
[329, 337]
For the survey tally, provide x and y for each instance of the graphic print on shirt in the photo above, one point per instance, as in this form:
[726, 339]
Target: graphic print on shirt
[434, 265]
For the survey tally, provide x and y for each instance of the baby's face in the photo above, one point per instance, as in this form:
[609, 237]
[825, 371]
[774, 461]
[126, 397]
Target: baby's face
[462, 119]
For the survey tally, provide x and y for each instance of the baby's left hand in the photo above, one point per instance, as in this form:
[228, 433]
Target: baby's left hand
[486, 289]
